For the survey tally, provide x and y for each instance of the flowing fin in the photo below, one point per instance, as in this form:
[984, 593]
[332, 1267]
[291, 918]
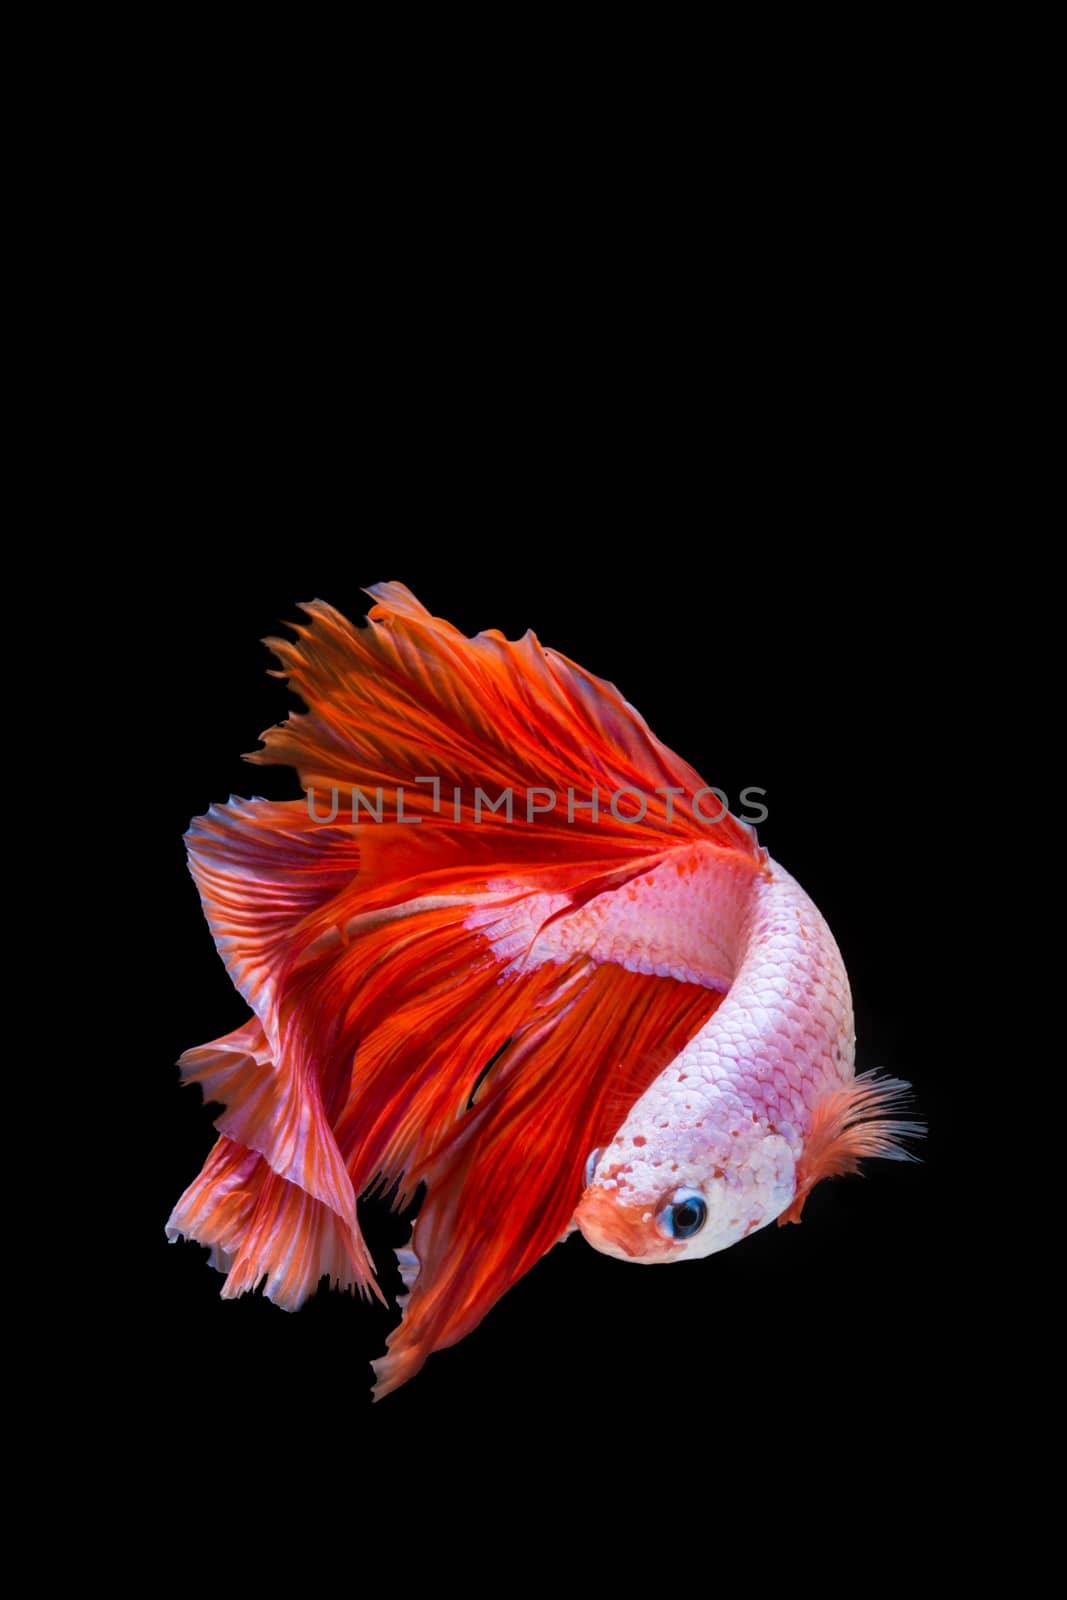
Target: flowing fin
[851, 1124]
[216, 1208]
[380, 963]
[262, 870]
[503, 1193]
[259, 1227]
[410, 696]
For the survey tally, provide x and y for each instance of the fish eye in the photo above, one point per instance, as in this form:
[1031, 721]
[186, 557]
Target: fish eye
[684, 1215]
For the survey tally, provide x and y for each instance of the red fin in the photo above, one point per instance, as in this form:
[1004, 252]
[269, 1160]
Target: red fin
[383, 1009]
[379, 998]
[504, 1191]
[850, 1124]
[262, 870]
[410, 696]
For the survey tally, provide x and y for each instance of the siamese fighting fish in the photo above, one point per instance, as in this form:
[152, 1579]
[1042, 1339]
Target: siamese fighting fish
[510, 954]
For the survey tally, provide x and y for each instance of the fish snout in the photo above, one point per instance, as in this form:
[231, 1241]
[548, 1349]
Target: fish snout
[618, 1229]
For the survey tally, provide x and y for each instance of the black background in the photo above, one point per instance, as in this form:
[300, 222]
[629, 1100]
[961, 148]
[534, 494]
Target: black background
[730, 422]
[769, 604]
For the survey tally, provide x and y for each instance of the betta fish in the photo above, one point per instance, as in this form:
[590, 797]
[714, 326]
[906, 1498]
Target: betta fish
[505, 954]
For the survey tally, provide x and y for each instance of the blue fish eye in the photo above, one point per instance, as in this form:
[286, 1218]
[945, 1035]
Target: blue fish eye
[686, 1216]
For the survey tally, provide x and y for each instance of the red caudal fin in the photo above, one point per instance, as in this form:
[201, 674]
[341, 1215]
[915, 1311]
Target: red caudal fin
[389, 962]
[857, 1121]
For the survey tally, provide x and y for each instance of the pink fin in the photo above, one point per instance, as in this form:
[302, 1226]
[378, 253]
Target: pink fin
[259, 1227]
[853, 1123]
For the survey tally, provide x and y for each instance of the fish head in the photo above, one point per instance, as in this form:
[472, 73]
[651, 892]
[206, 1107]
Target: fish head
[658, 1194]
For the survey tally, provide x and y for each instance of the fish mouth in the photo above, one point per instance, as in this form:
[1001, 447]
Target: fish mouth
[617, 1229]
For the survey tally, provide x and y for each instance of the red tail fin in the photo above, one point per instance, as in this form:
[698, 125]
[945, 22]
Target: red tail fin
[381, 983]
